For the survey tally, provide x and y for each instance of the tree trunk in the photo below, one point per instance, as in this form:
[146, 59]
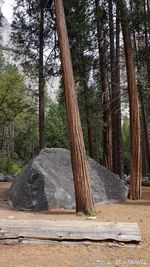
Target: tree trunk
[115, 93]
[84, 201]
[90, 138]
[135, 184]
[107, 144]
[41, 81]
[148, 12]
[89, 128]
[143, 148]
[146, 41]
[143, 153]
[2, 135]
[145, 129]
[119, 169]
[148, 5]
[112, 87]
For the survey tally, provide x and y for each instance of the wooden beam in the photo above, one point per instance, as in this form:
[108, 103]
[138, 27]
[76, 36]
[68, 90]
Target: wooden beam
[69, 230]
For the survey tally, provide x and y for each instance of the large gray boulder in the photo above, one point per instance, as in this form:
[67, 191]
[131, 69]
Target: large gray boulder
[47, 182]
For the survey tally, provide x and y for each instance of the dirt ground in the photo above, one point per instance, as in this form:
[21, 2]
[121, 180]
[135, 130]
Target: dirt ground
[103, 254]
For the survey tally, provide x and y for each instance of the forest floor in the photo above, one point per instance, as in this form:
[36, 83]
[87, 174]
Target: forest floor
[102, 254]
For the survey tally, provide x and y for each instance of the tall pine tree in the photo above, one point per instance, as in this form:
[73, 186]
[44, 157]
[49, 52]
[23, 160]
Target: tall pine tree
[32, 28]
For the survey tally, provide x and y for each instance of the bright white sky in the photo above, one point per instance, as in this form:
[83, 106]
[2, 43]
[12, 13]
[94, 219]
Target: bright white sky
[7, 9]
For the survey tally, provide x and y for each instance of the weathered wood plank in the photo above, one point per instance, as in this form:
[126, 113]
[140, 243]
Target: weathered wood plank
[69, 230]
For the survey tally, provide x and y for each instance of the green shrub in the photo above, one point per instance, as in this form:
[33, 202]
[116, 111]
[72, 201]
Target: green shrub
[8, 166]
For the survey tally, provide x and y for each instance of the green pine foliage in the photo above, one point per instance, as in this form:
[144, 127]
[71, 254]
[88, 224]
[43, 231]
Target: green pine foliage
[12, 89]
[17, 119]
[56, 135]
[25, 35]
[126, 144]
[79, 18]
[8, 165]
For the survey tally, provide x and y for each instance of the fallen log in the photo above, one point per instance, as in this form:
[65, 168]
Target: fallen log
[69, 230]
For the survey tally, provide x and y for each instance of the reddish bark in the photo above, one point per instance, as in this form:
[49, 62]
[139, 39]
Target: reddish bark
[135, 184]
[117, 154]
[107, 143]
[84, 201]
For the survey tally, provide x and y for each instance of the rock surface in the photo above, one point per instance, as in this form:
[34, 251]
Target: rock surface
[6, 178]
[2, 177]
[47, 182]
